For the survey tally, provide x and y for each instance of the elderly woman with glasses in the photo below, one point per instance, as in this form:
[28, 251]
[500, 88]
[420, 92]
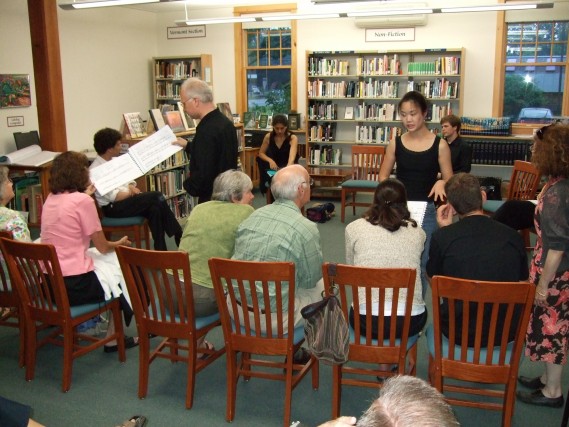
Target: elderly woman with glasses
[210, 232]
[547, 338]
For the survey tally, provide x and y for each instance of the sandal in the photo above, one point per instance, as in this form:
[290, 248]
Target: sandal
[208, 346]
[6, 312]
[129, 342]
[135, 421]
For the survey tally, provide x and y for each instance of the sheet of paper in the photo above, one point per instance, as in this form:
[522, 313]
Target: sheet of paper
[417, 211]
[115, 173]
[154, 149]
[16, 157]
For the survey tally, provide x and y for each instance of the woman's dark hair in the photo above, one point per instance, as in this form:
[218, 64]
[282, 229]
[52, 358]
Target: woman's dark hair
[69, 172]
[550, 153]
[279, 119]
[417, 98]
[389, 206]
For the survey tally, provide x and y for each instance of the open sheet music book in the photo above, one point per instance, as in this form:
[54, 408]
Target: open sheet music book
[137, 161]
[417, 210]
[29, 156]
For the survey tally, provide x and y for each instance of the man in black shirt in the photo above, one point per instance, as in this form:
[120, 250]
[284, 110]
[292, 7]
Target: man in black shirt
[475, 247]
[460, 151]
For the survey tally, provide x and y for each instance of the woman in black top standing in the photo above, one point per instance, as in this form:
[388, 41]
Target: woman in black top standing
[420, 155]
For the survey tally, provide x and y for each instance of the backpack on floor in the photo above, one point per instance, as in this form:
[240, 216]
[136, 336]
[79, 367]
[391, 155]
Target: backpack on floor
[321, 212]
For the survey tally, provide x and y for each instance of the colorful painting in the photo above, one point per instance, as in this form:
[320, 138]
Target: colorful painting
[15, 90]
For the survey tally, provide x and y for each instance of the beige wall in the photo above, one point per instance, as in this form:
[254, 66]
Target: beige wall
[106, 57]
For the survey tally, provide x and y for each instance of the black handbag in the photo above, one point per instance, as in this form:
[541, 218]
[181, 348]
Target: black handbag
[321, 212]
[326, 330]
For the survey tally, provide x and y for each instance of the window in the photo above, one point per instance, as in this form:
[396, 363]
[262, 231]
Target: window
[268, 63]
[535, 66]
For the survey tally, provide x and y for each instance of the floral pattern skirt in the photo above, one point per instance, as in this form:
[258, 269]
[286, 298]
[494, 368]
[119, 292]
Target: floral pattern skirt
[548, 329]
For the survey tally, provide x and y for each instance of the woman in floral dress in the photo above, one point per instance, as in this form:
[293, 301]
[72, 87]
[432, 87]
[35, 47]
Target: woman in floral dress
[547, 333]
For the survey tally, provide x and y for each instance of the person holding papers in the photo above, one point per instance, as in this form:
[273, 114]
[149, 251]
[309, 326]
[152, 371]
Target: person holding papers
[70, 223]
[128, 200]
[388, 237]
[214, 148]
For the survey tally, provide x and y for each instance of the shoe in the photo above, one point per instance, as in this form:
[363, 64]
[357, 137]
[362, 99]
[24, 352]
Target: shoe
[536, 397]
[129, 342]
[134, 421]
[208, 346]
[301, 357]
[532, 383]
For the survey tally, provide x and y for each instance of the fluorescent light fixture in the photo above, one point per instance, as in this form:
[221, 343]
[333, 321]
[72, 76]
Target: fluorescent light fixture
[390, 12]
[103, 3]
[496, 7]
[206, 21]
[300, 16]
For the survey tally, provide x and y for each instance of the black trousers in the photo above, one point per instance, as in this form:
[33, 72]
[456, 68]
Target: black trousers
[13, 414]
[152, 206]
[517, 214]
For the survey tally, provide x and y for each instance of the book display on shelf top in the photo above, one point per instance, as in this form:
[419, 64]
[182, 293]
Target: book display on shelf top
[352, 96]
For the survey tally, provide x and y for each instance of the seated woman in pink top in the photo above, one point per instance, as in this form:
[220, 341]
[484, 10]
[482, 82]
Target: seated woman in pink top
[70, 222]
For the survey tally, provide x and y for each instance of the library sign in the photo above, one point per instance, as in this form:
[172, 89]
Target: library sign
[390, 34]
[186, 32]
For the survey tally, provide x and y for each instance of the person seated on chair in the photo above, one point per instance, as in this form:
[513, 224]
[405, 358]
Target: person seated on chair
[279, 232]
[403, 401]
[128, 200]
[279, 149]
[460, 151]
[387, 237]
[69, 221]
[476, 247]
[210, 232]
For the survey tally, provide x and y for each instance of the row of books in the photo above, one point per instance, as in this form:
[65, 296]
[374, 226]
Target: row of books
[439, 111]
[170, 183]
[443, 65]
[181, 205]
[376, 134]
[373, 88]
[176, 70]
[168, 90]
[438, 88]
[499, 152]
[323, 111]
[178, 160]
[327, 67]
[323, 132]
[379, 65]
[366, 111]
[325, 155]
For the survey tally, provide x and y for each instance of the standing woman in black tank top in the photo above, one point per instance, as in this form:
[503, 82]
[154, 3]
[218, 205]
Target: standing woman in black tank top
[420, 155]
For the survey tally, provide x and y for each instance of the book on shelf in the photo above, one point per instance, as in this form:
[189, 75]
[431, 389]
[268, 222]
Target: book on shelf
[174, 120]
[293, 121]
[135, 125]
[139, 159]
[263, 121]
[417, 211]
[225, 109]
[249, 119]
[349, 113]
[157, 118]
[187, 121]
[29, 156]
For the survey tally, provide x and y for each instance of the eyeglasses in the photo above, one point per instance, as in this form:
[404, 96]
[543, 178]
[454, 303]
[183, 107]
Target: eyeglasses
[541, 131]
[310, 182]
[190, 99]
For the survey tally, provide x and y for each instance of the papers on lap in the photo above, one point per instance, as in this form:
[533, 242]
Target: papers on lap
[29, 156]
[137, 161]
[417, 210]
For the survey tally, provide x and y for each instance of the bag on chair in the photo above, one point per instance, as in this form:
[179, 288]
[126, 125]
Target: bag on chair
[326, 330]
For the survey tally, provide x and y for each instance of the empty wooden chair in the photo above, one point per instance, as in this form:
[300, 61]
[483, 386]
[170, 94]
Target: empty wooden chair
[252, 326]
[160, 287]
[495, 312]
[349, 281]
[366, 161]
[36, 274]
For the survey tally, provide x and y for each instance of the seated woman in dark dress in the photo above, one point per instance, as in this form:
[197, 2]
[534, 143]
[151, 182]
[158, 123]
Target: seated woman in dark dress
[279, 149]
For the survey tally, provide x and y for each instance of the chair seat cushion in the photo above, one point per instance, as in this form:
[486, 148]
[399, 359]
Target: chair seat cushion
[470, 351]
[79, 310]
[359, 183]
[411, 341]
[492, 205]
[122, 222]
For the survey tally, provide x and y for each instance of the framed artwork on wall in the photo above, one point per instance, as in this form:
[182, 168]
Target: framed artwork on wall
[15, 90]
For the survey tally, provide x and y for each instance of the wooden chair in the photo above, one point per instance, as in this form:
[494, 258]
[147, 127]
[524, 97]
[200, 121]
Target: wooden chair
[366, 161]
[136, 226]
[350, 281]
[36, 274]
[9, 299]
[160, 287]
[247, 333]
[504, 307]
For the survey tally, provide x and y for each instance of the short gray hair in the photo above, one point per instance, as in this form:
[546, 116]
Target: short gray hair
[3, 178]
[286, 181]
[196, 88]
[231, 184]
[406, 401]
